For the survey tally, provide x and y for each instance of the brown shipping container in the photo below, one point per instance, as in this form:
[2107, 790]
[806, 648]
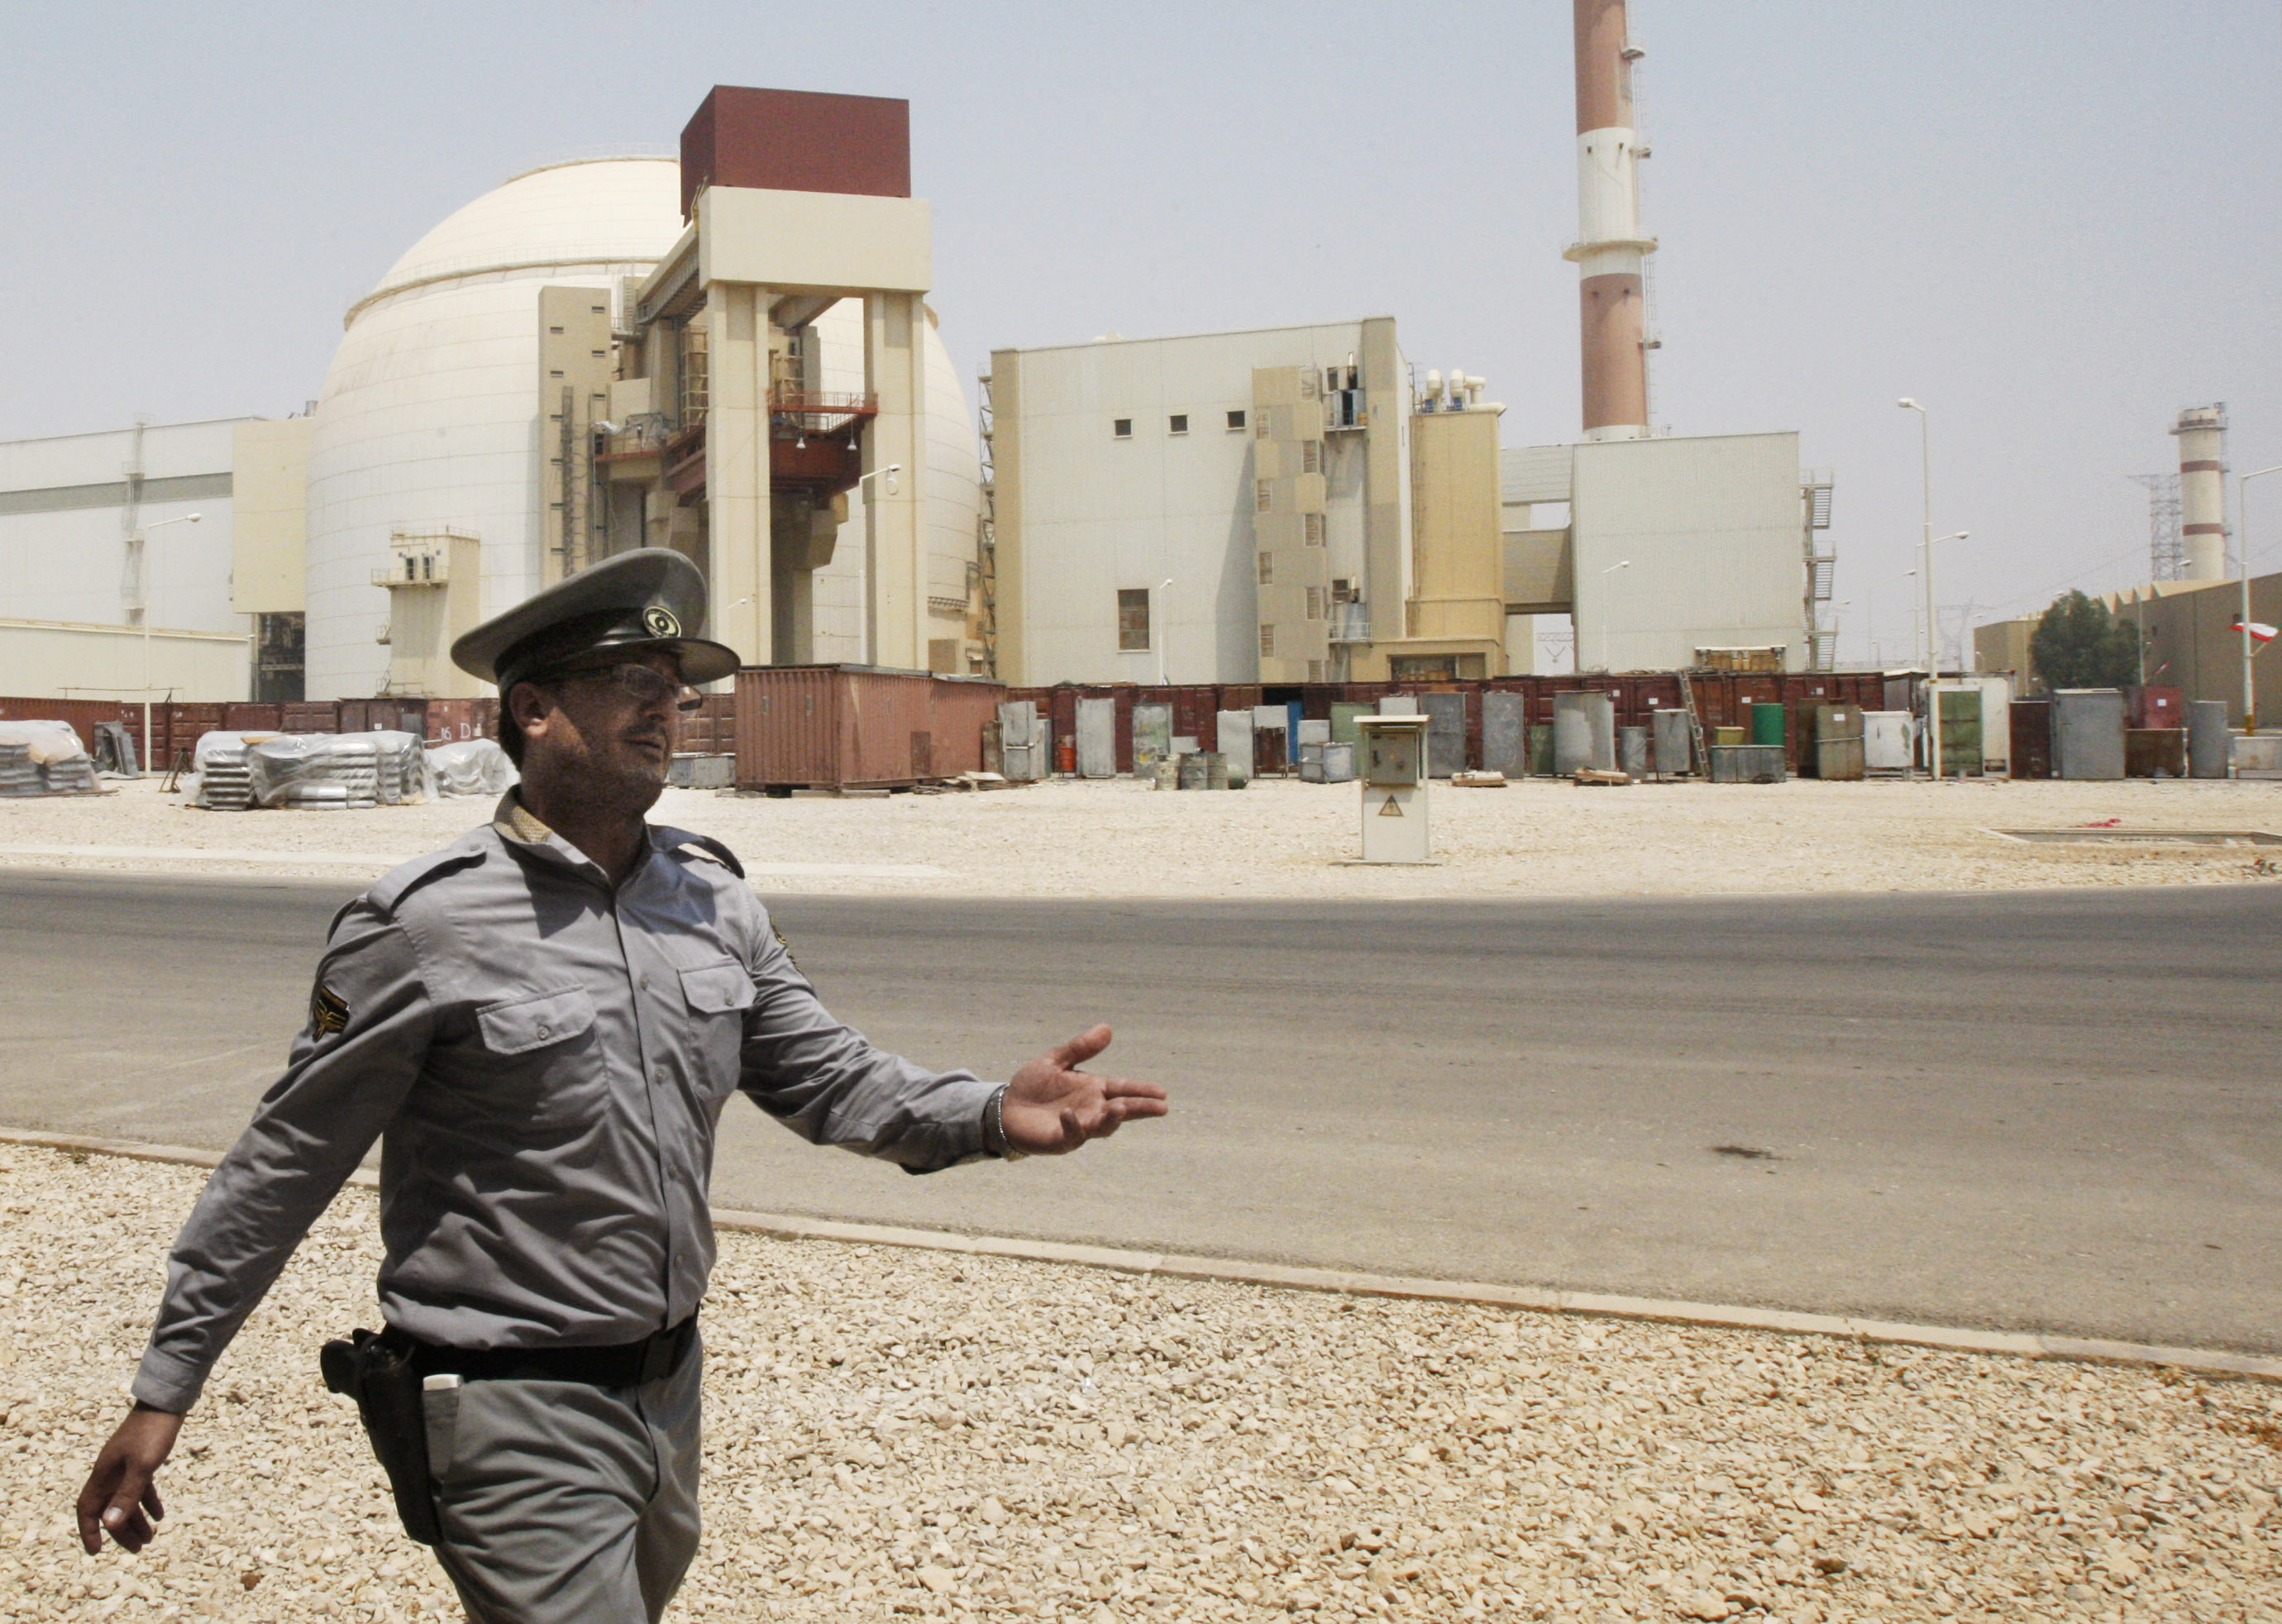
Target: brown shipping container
[2155, 752]
[854, 726]
[310, 716]
[253, 718]
[2032, 738]
[2149, 706]
[963, 708]
[83, 714]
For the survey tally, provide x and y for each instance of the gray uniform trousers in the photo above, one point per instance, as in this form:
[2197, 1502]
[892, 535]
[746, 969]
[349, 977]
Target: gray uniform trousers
[563, 1503]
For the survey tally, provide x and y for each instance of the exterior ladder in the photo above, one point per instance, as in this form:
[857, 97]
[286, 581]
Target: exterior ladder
[1695, 725]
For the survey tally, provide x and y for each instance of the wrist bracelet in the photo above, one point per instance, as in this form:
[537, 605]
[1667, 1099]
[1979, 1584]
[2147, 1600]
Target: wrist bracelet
[994, 1127]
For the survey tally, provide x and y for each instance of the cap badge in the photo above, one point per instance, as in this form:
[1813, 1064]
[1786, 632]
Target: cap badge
[659, 621]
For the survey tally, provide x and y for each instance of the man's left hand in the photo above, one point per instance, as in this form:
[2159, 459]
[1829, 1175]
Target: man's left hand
[1053, 1108]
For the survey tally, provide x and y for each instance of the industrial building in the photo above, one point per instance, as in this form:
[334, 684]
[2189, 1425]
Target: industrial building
[107, 585]
[1298, 504]
[734, 355]
[2190, 612]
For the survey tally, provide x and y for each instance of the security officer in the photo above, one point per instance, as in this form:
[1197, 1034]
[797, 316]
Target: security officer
[541, 1024]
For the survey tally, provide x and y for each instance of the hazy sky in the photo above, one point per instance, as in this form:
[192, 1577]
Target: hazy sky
[2055, 224]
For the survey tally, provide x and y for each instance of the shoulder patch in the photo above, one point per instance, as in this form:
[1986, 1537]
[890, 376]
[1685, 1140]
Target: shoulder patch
[329, 1012]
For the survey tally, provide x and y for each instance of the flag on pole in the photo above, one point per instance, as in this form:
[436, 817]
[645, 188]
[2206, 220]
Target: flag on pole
[2260, 631]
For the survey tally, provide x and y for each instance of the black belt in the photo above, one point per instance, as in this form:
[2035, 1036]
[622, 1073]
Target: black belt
[623, 1365]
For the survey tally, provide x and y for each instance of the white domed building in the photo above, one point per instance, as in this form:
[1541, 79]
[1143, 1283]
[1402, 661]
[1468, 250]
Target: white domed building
[456, 437]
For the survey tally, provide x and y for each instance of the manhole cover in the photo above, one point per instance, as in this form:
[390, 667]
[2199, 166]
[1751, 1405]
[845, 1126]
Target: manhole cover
[2141, 837]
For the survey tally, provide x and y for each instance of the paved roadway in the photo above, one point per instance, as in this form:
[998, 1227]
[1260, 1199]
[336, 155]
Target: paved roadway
[2050, 1111]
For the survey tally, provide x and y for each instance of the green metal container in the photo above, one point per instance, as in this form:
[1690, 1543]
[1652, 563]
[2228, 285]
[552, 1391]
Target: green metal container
[1541, 750]
[1343, 720]
[1767, 724]
[1959, 711]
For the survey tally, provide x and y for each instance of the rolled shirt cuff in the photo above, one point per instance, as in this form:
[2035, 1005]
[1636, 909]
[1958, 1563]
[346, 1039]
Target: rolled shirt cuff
[164, 1382]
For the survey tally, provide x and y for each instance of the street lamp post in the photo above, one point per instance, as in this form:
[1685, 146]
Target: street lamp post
[872, 564]
[144, 536]
[2249, 649]
[1925, 476]
[1622, 563]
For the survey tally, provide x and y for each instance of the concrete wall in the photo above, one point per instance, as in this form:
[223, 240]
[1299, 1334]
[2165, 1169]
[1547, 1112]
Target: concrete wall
[1083, 514]
[45, 659]
[1712, 527]
[68, 505]
[270, 517]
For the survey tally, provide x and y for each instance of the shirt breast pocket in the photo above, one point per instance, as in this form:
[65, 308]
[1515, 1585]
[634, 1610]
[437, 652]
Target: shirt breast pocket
[542, 1065]
[716, 996]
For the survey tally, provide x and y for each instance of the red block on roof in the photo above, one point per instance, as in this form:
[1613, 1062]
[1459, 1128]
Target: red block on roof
[797, 141]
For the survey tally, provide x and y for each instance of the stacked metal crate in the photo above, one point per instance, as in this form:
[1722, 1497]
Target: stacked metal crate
[17, 775]
[224, 784]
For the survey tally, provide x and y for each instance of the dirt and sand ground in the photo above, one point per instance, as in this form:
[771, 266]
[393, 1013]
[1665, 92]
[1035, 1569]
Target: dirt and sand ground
[1278, 838]
[898, 1434]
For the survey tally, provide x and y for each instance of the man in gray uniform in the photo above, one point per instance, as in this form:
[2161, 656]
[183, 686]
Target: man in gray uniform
[541, 1024]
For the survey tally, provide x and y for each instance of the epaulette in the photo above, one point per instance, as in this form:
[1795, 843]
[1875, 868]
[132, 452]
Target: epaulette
[405, 878]
[702, 846]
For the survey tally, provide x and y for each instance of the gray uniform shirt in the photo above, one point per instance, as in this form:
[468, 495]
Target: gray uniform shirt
[543, 1059]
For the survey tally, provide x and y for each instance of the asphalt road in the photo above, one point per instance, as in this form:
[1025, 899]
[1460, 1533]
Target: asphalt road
[2046, 1111]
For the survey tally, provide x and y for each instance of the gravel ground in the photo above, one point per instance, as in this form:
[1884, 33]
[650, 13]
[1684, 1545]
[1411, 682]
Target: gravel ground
[1281, 838]
[898, 1432]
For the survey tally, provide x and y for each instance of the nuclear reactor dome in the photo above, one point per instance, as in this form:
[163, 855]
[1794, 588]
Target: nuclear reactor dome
[432, 414]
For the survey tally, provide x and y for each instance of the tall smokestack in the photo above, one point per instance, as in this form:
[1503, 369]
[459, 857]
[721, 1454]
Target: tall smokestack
[1610, 247]
[2202, 491]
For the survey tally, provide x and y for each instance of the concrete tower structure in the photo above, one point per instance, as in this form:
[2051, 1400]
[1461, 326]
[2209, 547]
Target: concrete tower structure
[1609, 246]
[2202, 491]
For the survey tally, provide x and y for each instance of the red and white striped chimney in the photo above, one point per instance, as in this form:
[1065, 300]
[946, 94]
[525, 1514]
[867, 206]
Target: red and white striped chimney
[1609, 246]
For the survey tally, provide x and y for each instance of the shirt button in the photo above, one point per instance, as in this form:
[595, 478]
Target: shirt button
[542, 1029]
[643, 984]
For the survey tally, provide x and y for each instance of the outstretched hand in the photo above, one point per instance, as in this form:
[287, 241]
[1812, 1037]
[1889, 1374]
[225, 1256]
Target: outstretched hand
[1053, 1108]
[123, 1487]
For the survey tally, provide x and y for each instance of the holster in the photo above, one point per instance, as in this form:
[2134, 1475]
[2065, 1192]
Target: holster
[378, 1374]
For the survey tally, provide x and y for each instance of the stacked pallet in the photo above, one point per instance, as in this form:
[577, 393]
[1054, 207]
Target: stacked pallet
[17, 775]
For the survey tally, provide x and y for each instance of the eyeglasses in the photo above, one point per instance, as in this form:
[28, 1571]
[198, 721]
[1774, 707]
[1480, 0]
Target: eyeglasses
[644, 684]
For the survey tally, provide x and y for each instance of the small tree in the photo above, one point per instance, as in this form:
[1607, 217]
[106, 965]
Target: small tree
[2078, 644]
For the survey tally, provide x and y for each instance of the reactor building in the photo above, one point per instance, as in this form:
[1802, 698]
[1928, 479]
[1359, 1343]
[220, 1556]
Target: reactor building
[734, 355]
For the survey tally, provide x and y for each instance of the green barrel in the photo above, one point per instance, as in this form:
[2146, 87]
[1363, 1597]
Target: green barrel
[1767, 724]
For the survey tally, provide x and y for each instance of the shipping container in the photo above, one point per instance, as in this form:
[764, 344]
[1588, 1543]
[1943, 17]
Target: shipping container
[253, 718]
[309, 716]
[2088, 734]
[2155, 752]
[2032, 738]
[2149, 706]
[83, 714]
[857, 727]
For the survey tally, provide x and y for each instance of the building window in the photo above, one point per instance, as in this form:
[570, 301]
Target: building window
[1314, 602]
[1121, 428]
[1236, 420]
[1312, 528]
[1177, 423]
[1311, 456]
[1132, 619]
[1263, 498]
[1267, 568]
[1267, 640]
[1343, 591]
[1315, 671]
